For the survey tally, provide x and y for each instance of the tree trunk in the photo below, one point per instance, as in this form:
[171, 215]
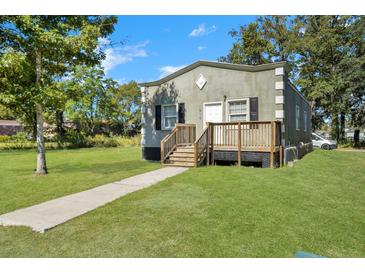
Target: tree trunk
[342, 127]
[59, 124]
[41, 148]
[34, 137]
[335, 134]
[357, 138]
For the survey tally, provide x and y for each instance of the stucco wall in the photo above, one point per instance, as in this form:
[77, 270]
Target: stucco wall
[233, 84]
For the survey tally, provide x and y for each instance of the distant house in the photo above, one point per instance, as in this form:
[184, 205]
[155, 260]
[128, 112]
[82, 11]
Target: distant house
[10, 127]
[211, 112]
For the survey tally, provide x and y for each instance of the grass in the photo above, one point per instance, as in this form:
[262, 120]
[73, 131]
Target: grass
[316, 206]
[70, 171]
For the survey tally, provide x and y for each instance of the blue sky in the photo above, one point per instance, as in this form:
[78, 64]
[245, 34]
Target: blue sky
[157, 45]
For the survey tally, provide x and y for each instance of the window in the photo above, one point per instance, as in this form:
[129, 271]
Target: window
[169, 116]
[305, 118]
[237, 110]
[297, 117]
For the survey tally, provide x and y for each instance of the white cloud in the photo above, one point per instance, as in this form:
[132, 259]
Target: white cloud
[121, 55]
[103, 41]
[166, 70]
[200, 48]
[201, 30]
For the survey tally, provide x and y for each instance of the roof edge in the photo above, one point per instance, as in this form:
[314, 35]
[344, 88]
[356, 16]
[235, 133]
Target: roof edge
[241, 67]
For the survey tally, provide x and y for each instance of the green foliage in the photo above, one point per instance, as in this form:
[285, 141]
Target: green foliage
[326, 55]
[250, 47]
[103, 106]
[36, 53]
[73, 139]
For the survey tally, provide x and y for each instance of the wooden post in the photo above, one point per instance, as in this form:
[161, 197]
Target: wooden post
[195, 154]
[239, 144]
[208, 140]
[162, 153]
[272, 144]
[212, 143]
[281, 155]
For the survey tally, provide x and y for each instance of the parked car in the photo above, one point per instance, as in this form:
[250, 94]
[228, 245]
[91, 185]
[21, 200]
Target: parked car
[323, 143]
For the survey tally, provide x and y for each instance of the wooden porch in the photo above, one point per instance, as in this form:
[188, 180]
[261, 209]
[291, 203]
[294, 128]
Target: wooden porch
[236, 139]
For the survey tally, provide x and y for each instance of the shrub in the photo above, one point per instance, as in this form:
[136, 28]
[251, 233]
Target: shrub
[76, 138]
[100, 140]
[128, 141]
[5, 138]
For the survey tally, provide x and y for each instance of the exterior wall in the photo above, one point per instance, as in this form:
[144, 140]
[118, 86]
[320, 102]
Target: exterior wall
[221, 82]
[276, 101]
[297, 142]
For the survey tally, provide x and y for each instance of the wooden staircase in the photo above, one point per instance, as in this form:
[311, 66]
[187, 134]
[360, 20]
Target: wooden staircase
[182, 148]
[181, 156]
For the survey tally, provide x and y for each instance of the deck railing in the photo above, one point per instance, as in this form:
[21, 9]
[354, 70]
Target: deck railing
[181, 134]
[260, 136]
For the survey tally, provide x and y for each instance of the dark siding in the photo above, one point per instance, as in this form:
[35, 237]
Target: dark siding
[151, 153]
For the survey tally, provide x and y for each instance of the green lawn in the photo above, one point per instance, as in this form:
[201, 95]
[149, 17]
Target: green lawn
[316, 206]
[69, 171]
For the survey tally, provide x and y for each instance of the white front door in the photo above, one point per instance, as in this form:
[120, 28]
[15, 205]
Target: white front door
[213, 112]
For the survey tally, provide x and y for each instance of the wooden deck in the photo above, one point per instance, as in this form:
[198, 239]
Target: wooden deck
[240, 137]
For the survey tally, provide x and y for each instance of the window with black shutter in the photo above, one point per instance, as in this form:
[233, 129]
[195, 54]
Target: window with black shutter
[181, 118]
[254, 109]
[158, 117]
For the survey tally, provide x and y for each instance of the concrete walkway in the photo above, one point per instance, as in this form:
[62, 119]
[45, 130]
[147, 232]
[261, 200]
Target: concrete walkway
[49, 214]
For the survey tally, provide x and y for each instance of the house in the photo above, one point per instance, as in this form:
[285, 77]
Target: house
[211, 112]
[10, 127]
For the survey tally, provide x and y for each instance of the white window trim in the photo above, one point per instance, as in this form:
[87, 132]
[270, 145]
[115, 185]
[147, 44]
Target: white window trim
[305, 119]
[234, 100]
[163, 115]
[297, 117]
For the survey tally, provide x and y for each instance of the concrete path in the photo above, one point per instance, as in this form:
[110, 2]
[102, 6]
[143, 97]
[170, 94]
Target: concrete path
[49, 214]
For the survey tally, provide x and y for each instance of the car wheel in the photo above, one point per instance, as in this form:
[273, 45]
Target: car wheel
[326, 147]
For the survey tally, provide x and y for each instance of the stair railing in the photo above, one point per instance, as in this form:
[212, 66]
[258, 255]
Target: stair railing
[181, 134]
[201, 147]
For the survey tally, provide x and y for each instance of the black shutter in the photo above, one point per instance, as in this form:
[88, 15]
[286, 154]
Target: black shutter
[254, 109]
[158, 117]
[181, 118]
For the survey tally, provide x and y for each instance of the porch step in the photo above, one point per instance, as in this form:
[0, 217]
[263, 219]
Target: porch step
[185, 149]
[183, 154]
[173, 158]
[184, 164]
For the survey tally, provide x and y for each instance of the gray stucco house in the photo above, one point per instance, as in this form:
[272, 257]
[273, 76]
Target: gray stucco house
[211, 112]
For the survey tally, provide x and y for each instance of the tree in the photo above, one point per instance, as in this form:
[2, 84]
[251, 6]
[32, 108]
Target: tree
[36, 52]
[6, 114]
[125, 110]
[324, 55]
[103, 105]
[250, 46]
[90, 88]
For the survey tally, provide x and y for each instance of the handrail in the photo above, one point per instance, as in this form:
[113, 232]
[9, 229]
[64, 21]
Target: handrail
[180, 134]
[201, 146]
